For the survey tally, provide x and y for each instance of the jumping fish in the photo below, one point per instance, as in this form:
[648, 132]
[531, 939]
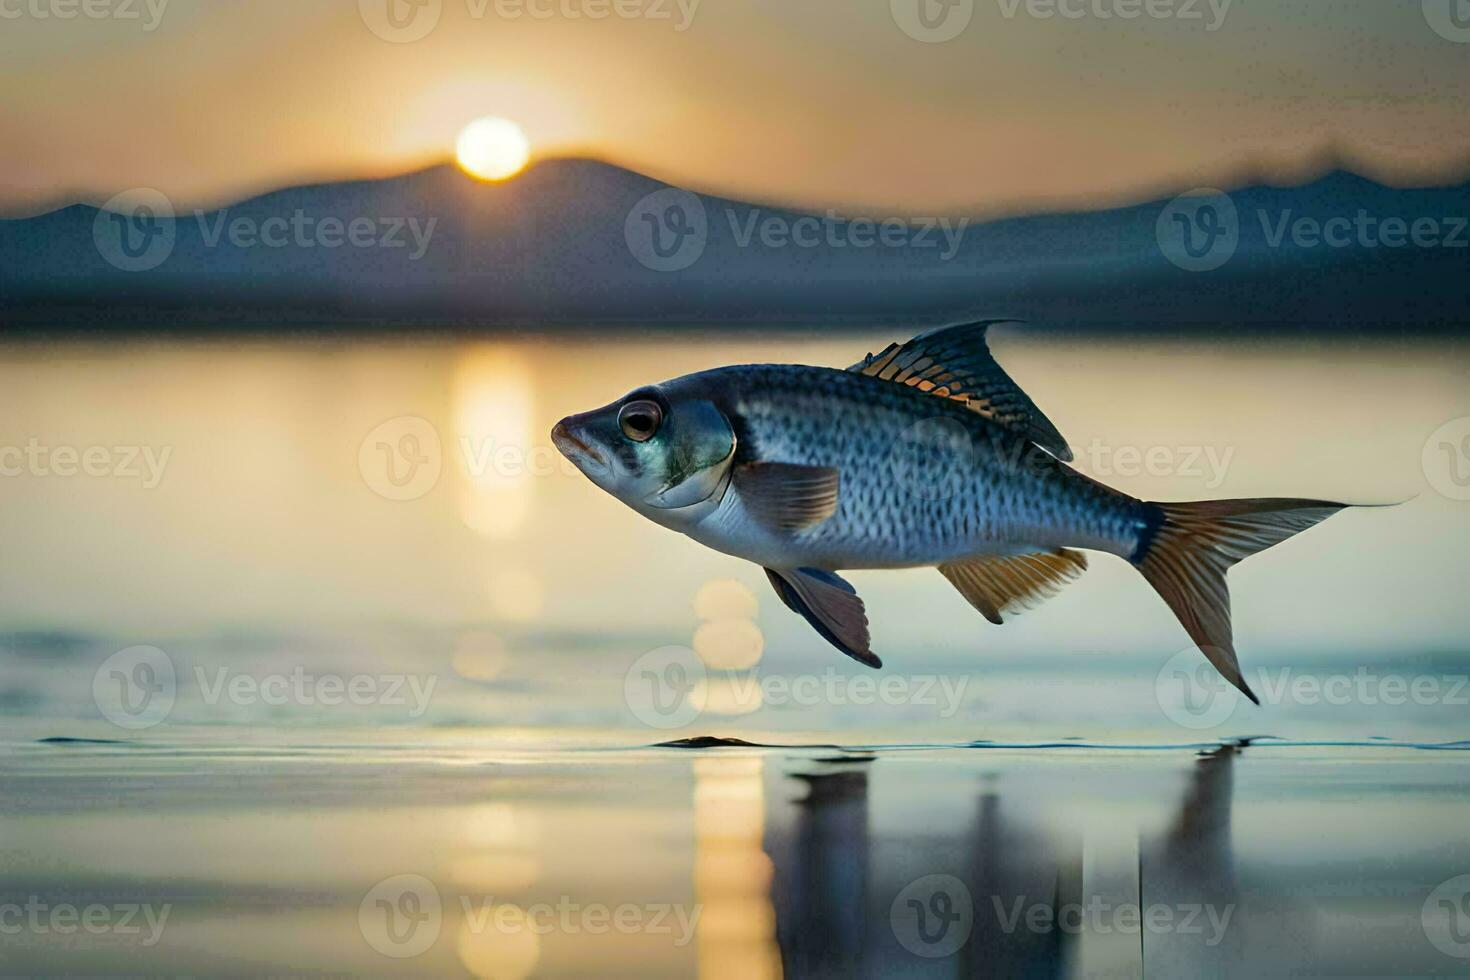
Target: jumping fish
[926, 454]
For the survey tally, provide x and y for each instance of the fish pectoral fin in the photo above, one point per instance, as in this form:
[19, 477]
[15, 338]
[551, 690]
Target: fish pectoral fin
[956, 363]
[787, 496]
[831, 605]
[996, 584]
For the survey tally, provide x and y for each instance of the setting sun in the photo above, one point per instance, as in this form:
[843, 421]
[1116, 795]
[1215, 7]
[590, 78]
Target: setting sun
[492, 148]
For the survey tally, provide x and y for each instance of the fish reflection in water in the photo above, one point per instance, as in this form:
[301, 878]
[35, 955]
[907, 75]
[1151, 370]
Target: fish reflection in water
[821, 883]
[836, 881]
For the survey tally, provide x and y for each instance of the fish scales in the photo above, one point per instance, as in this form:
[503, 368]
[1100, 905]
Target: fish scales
[923, 478]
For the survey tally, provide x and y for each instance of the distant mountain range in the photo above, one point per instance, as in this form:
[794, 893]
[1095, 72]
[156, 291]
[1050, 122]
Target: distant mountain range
[577, 242]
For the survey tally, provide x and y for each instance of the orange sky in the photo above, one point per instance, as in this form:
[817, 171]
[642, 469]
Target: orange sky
[818, 103]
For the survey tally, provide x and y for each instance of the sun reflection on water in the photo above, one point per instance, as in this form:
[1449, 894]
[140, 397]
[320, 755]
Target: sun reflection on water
[493, 410]
[732, 872]
[502, 857]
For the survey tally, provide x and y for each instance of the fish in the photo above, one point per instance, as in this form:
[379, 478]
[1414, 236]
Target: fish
[926, 454]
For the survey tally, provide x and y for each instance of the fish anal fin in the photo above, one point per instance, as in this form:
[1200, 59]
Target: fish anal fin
[786, 496]
[831, 605]
[999, 584]
[956, 363]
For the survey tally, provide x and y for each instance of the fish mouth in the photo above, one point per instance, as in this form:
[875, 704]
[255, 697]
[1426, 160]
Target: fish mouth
[574, 447]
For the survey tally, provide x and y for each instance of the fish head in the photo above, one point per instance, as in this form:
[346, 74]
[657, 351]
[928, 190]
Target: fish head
[658, 449]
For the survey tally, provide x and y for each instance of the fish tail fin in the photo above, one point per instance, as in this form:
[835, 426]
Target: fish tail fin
[1189, 548]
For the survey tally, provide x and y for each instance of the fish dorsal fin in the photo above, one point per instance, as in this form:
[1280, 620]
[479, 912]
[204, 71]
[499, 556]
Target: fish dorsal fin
[786, 496]
[831, 605]
[956, 363]
[996, 584]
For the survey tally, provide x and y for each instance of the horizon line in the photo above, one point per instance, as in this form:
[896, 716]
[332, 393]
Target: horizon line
[1328, 163]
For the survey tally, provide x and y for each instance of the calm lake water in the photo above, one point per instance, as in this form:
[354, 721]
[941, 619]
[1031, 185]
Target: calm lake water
[316, 659]
[481, 855]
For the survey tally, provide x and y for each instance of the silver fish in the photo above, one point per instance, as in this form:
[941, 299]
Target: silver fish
[925, 454]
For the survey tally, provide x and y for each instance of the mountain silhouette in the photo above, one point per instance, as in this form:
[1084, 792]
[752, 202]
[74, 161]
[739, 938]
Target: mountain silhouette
[581, 242]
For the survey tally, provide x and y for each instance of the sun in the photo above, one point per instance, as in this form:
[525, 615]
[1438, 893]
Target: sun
[492, 148]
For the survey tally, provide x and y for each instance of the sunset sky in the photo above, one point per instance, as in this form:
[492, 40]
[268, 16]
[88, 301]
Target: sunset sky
[816, 103]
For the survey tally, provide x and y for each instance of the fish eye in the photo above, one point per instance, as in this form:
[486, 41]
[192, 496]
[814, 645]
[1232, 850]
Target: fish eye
[640, 420]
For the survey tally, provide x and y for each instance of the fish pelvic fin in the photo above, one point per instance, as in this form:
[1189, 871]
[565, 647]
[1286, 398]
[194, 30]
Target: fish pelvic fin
[1191, 546]
[831, 605]
[996, 584]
